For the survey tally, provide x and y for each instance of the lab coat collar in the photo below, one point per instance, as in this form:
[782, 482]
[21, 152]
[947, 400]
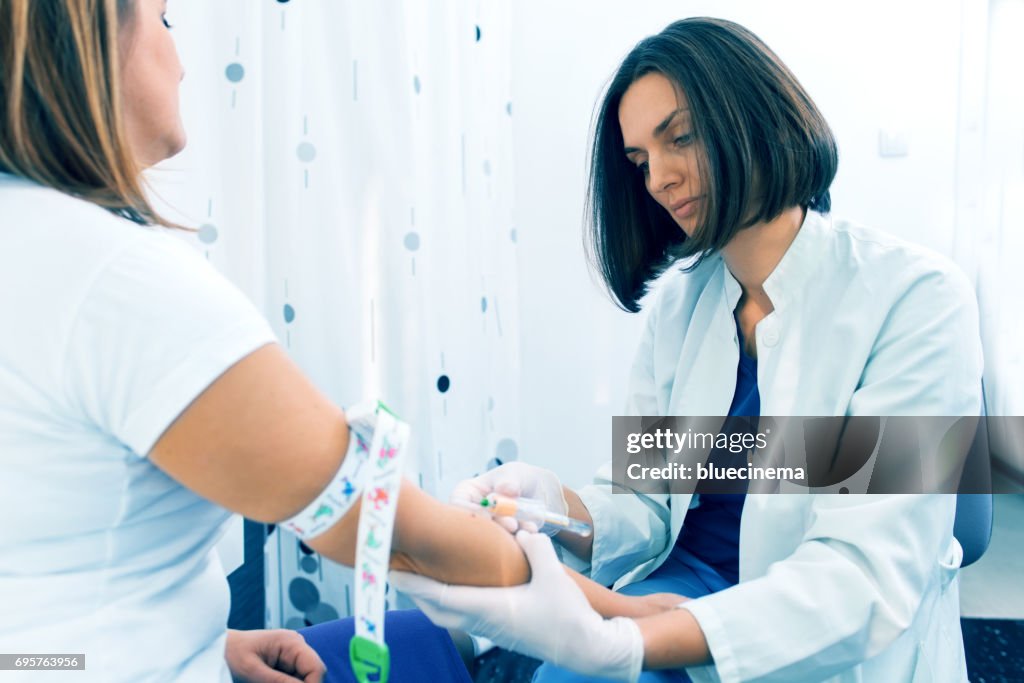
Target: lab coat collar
[787, 280]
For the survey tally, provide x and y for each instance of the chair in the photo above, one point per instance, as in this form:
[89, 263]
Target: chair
[972, 526]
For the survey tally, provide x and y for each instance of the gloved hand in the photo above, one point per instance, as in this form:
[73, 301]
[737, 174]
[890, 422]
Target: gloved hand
[548, 618]
[514, 479]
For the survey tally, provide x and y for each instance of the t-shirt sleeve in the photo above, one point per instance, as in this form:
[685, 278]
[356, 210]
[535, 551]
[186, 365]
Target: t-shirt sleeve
[155, 328]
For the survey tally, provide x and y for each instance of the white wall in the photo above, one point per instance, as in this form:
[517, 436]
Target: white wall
[869, 64]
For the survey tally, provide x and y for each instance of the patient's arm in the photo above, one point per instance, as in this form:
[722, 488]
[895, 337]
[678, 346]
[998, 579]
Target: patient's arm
[436, 540]
[455, 546]
[262, 441]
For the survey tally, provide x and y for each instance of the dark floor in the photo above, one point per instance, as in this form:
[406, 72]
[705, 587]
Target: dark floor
[502, 666]
[995, 650]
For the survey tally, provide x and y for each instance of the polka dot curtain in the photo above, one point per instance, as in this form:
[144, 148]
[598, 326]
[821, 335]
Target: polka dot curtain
[350, 167]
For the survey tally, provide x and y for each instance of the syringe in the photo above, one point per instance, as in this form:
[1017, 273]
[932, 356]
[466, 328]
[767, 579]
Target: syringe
[532, 511]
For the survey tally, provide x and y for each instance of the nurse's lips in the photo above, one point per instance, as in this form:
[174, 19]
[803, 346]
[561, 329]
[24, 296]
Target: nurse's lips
[684, 208]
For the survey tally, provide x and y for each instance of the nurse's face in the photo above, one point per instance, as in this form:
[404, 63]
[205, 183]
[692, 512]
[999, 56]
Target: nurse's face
[150, 74]
[659, 139]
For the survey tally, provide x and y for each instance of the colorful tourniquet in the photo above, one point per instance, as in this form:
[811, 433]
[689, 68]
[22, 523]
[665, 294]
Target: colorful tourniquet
[373, 466]
[342, 493]
[368, 653]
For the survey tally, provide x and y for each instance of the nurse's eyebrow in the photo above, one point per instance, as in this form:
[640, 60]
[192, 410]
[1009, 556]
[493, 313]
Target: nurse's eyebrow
[660, 128]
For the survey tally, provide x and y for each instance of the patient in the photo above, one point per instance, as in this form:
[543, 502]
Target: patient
[144, 397]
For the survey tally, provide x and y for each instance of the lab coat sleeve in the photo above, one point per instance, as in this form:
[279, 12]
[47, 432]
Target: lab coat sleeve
[865, 562]
[630, 528]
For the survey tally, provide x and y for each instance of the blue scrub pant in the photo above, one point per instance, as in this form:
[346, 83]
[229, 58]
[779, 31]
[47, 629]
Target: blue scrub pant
[419, 650]
[681, 573]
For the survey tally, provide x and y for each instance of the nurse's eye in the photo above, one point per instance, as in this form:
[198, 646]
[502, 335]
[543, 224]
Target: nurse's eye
[639, 163]
[683, 140]
[167, 24]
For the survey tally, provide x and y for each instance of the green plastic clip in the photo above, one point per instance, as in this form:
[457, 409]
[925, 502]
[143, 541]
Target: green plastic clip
[370, 661]
[381, 406]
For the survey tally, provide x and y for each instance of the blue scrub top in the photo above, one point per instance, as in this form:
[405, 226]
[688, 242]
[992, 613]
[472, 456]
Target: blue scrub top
[711, 531]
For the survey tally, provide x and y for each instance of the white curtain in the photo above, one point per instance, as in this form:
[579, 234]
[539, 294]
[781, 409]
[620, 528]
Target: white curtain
[350, 167]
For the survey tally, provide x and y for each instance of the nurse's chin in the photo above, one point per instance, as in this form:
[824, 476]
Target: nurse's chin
[687, 225]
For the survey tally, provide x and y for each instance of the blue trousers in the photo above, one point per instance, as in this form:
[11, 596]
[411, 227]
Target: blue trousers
[419, 650]
[681, 573]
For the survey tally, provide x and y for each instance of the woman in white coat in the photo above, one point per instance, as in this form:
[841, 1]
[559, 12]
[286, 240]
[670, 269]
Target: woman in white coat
[708, 149]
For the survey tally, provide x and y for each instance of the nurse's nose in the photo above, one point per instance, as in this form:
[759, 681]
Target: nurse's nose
[663, 175]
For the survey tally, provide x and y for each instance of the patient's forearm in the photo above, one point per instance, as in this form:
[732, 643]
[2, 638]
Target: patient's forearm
[454, 546]
[608, 603]
[605, 602]
[436, 540]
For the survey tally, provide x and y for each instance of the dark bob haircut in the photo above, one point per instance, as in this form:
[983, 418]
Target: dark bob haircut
[756, 129]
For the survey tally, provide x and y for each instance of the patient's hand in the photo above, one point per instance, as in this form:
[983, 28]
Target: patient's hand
[636, 606]
[608, 603]
[656, 603]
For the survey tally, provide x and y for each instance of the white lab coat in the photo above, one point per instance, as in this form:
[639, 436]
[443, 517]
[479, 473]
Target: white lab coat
[839, 588]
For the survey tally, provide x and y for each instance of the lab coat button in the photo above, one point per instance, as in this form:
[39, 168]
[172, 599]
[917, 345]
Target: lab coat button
[770, 338]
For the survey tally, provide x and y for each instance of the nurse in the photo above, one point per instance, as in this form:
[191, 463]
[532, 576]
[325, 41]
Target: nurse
[143, 398]
[711, 162]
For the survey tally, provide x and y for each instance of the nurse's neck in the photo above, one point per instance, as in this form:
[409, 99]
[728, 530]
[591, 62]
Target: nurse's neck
[752, 254]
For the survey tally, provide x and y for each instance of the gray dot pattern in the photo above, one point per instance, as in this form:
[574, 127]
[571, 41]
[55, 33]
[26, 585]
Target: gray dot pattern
[295, 623]
[235, 72]
[303, 594]
[207, 233]
[306, 152]
[321, 612]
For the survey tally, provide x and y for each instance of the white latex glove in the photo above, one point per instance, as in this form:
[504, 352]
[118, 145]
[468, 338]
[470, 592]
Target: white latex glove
[514, 479]
[548, 618]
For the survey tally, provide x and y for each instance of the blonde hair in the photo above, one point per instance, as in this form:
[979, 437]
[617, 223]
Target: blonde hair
[60, 102]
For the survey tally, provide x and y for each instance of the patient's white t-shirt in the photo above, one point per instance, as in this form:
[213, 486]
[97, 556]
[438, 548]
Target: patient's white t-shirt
[109, 331]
